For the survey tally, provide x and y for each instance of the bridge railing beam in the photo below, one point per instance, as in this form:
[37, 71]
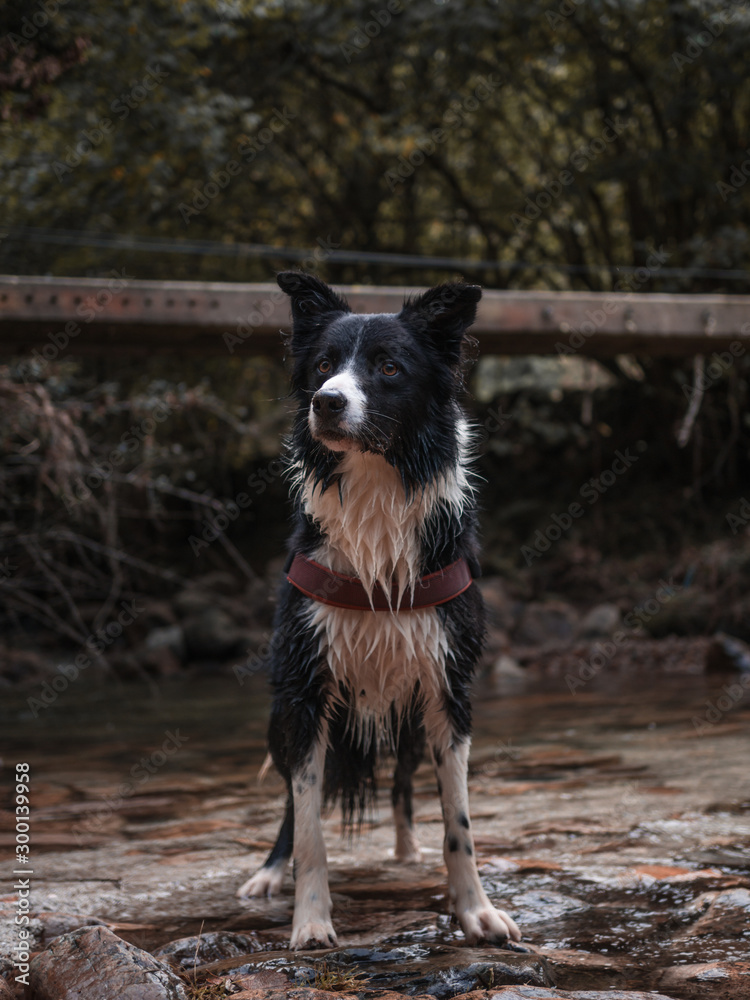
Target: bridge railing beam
[134, 317]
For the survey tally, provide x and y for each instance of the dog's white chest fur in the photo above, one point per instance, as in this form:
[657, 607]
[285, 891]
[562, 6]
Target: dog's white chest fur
[373, 532]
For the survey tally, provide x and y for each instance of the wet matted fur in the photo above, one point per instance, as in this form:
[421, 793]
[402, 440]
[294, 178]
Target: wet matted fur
[381, 479]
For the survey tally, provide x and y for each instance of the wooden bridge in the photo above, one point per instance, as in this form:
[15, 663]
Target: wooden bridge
[128, 317]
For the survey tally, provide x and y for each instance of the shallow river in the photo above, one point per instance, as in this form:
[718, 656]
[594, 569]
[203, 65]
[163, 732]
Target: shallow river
[611, 823]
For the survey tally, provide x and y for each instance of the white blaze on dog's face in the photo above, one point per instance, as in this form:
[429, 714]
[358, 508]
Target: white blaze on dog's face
[339, 408]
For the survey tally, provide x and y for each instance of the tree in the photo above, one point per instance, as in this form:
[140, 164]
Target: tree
[569, 136]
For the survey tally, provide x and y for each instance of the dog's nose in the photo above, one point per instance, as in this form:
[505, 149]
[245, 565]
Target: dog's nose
[328, 402]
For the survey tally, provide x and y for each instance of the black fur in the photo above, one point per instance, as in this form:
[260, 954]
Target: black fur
[410, 748]
[414, 429]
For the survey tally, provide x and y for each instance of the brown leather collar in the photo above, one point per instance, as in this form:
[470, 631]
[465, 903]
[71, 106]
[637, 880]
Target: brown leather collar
[340, 591]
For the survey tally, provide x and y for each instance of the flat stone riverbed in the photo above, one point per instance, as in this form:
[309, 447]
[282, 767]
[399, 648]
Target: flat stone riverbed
[610, 822]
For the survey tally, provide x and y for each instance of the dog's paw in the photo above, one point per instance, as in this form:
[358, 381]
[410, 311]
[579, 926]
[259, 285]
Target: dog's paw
[313, 934]
[407, 847]
[412, 856]
[484, 924]
[265, 882]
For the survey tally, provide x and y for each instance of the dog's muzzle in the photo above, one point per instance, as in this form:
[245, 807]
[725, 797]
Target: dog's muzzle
[329, 405]
[336, 415]
[331, 419]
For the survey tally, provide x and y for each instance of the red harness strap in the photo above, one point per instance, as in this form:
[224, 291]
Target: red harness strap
[341, 591]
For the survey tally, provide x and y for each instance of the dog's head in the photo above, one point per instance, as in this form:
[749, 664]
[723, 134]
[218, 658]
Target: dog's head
[386, 382]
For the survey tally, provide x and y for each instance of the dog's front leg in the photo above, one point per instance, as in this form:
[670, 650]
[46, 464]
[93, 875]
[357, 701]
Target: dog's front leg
[311, 927]
[479, 919]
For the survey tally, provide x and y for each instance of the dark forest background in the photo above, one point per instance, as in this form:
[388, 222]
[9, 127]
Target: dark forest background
[597, 144]
[523, 92]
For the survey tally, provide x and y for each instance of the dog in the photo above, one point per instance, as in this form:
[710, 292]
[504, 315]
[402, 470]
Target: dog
[379, 622]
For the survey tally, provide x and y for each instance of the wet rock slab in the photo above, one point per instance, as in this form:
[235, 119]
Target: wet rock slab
[253, 992]
[536, 993]
[725, 979]
[94, 964]
[440, 972]
[614, 832]
[55, 924]
[723, 915]
[445, 972]
[187, 953]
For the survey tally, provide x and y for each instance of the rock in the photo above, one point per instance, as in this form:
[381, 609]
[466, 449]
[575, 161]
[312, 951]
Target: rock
[266, 979]
[727, 655]
[502, 610]
[576, 965]
[191, 951]
[545, 906]
[688, 612]
[52, 793]
[447, 971]
[499, 375]
[364, 994]
[543, 622]
[24, 666]
[727, 914]
[192, 601]
[258, 597]
[162, 652]
[55, 924]
[212, 634]
[311, 993]
[157, 614]
[275, 572]
[205, 592]
[264, 985]
[94, 963]
[735, 618]
[169, 637]
[161, 662]
[9, 939]
[507, 968]
[507, 668]
[672, 873]
[218, 581]
[405, 969]
[602, 620]
[720, 979]
[540, 993]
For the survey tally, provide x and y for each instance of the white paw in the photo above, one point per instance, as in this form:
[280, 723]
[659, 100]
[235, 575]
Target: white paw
[483, 924]
[265, 882]
[411, 856]
[313, 934]
[407, 846]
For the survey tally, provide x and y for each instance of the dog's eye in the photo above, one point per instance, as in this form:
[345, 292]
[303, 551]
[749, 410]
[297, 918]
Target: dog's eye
[324, 366]
[389, 368]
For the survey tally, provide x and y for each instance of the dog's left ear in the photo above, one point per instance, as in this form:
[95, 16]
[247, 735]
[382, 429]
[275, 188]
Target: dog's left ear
[312, 300]
[444, 313]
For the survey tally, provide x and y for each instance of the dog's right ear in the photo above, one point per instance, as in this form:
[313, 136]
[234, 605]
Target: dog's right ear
[313, 301]
[443, 314]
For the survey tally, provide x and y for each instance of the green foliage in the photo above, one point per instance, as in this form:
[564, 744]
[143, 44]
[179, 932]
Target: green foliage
[289, 122]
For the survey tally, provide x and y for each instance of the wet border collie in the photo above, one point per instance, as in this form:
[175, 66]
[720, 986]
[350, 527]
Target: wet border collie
[361, 660]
